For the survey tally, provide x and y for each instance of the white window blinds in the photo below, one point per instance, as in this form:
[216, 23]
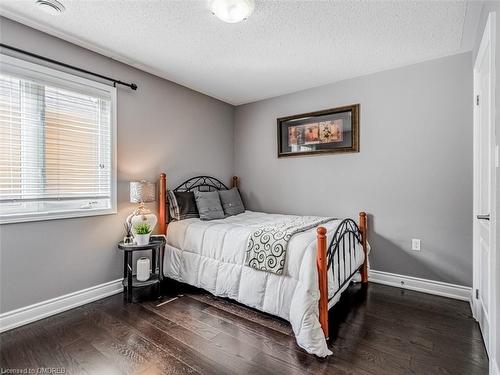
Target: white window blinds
[56, 144]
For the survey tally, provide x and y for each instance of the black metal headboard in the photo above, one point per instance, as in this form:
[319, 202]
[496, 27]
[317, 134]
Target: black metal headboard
[201, 183]
[198, 183]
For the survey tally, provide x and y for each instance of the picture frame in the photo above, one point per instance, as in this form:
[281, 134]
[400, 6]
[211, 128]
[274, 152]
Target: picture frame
[329, 131]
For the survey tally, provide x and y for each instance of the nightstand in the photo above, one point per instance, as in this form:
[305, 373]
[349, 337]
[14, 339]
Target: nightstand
[133, 286]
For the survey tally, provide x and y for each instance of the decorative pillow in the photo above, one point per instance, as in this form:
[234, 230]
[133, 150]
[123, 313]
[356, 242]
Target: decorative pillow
[173, 208]
[182, 205]
[231, 202]
[208, 203]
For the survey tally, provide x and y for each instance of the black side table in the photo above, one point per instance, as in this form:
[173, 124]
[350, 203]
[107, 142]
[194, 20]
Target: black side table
[130, 282]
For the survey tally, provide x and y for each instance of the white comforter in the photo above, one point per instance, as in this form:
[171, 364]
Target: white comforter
[211, 255]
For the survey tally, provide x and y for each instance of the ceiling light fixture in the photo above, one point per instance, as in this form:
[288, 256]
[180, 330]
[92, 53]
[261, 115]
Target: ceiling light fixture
[52, 7]
[232, 11]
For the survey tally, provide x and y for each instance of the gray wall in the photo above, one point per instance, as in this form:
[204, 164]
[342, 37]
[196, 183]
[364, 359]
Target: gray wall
[414, 166]
[413, 174]
[494, 6]
[161, 127]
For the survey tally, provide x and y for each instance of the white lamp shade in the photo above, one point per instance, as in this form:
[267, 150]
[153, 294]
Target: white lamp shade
[142, 191]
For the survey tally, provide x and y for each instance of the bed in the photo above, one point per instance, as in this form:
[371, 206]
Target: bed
[320, 263]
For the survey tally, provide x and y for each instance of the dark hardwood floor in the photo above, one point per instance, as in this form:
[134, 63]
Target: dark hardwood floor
[376, 330]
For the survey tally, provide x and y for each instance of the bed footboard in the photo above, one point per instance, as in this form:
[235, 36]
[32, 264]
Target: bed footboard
[346, 235]
[364, 242]
[323, 280]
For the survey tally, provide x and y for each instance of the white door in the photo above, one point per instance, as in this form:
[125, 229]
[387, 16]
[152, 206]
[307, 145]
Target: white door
[484, 182]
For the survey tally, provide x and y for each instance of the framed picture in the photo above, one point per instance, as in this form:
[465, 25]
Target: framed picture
[329, 131]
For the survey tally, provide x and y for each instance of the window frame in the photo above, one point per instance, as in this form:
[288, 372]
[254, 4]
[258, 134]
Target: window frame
[46, 75]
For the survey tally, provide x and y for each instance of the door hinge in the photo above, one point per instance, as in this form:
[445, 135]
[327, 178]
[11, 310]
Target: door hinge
[477, 293]
[477, 99]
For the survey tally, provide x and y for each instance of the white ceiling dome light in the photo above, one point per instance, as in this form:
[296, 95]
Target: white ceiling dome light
[52, 7]
[232, 11]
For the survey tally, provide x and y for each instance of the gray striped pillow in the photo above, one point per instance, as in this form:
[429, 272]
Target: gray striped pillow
[182, 205]
[173, 207]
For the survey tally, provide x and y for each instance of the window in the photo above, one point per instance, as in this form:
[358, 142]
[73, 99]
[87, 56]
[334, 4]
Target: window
[57, 144]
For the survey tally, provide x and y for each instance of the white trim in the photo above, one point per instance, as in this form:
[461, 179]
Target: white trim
[488, 42]
[437, 288]
[30, 70]
[56, 215]
[49, 76]
[494, 370]
[475, 253]
[24, 315]
[472, 303]
[494, 277]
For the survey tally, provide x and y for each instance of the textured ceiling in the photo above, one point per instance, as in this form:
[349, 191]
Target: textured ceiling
[283, 47]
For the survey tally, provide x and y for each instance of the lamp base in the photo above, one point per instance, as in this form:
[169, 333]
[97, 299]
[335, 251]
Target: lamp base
[147, 218]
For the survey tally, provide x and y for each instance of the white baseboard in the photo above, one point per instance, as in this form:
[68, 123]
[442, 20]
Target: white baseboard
[40, 310]
[24, 315]
[421, 285]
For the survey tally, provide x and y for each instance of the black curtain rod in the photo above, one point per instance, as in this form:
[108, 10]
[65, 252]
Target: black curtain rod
[133, 86]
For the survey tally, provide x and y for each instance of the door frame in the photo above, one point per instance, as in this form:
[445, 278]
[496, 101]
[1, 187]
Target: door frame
[488, 41]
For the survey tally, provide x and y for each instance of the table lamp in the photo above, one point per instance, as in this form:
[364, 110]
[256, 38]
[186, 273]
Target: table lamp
[142, 192]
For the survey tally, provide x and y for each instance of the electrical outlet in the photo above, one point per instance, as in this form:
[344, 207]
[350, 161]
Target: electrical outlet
[415, 244]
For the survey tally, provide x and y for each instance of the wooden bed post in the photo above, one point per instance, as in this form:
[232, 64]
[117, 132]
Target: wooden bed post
[235, 182]
[364, 232]
[323, 280]
[162, 202]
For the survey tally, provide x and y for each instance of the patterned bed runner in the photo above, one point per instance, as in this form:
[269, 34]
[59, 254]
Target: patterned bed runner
[267, 246]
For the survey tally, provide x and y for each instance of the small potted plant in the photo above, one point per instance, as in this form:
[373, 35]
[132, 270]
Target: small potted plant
[142, 233]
